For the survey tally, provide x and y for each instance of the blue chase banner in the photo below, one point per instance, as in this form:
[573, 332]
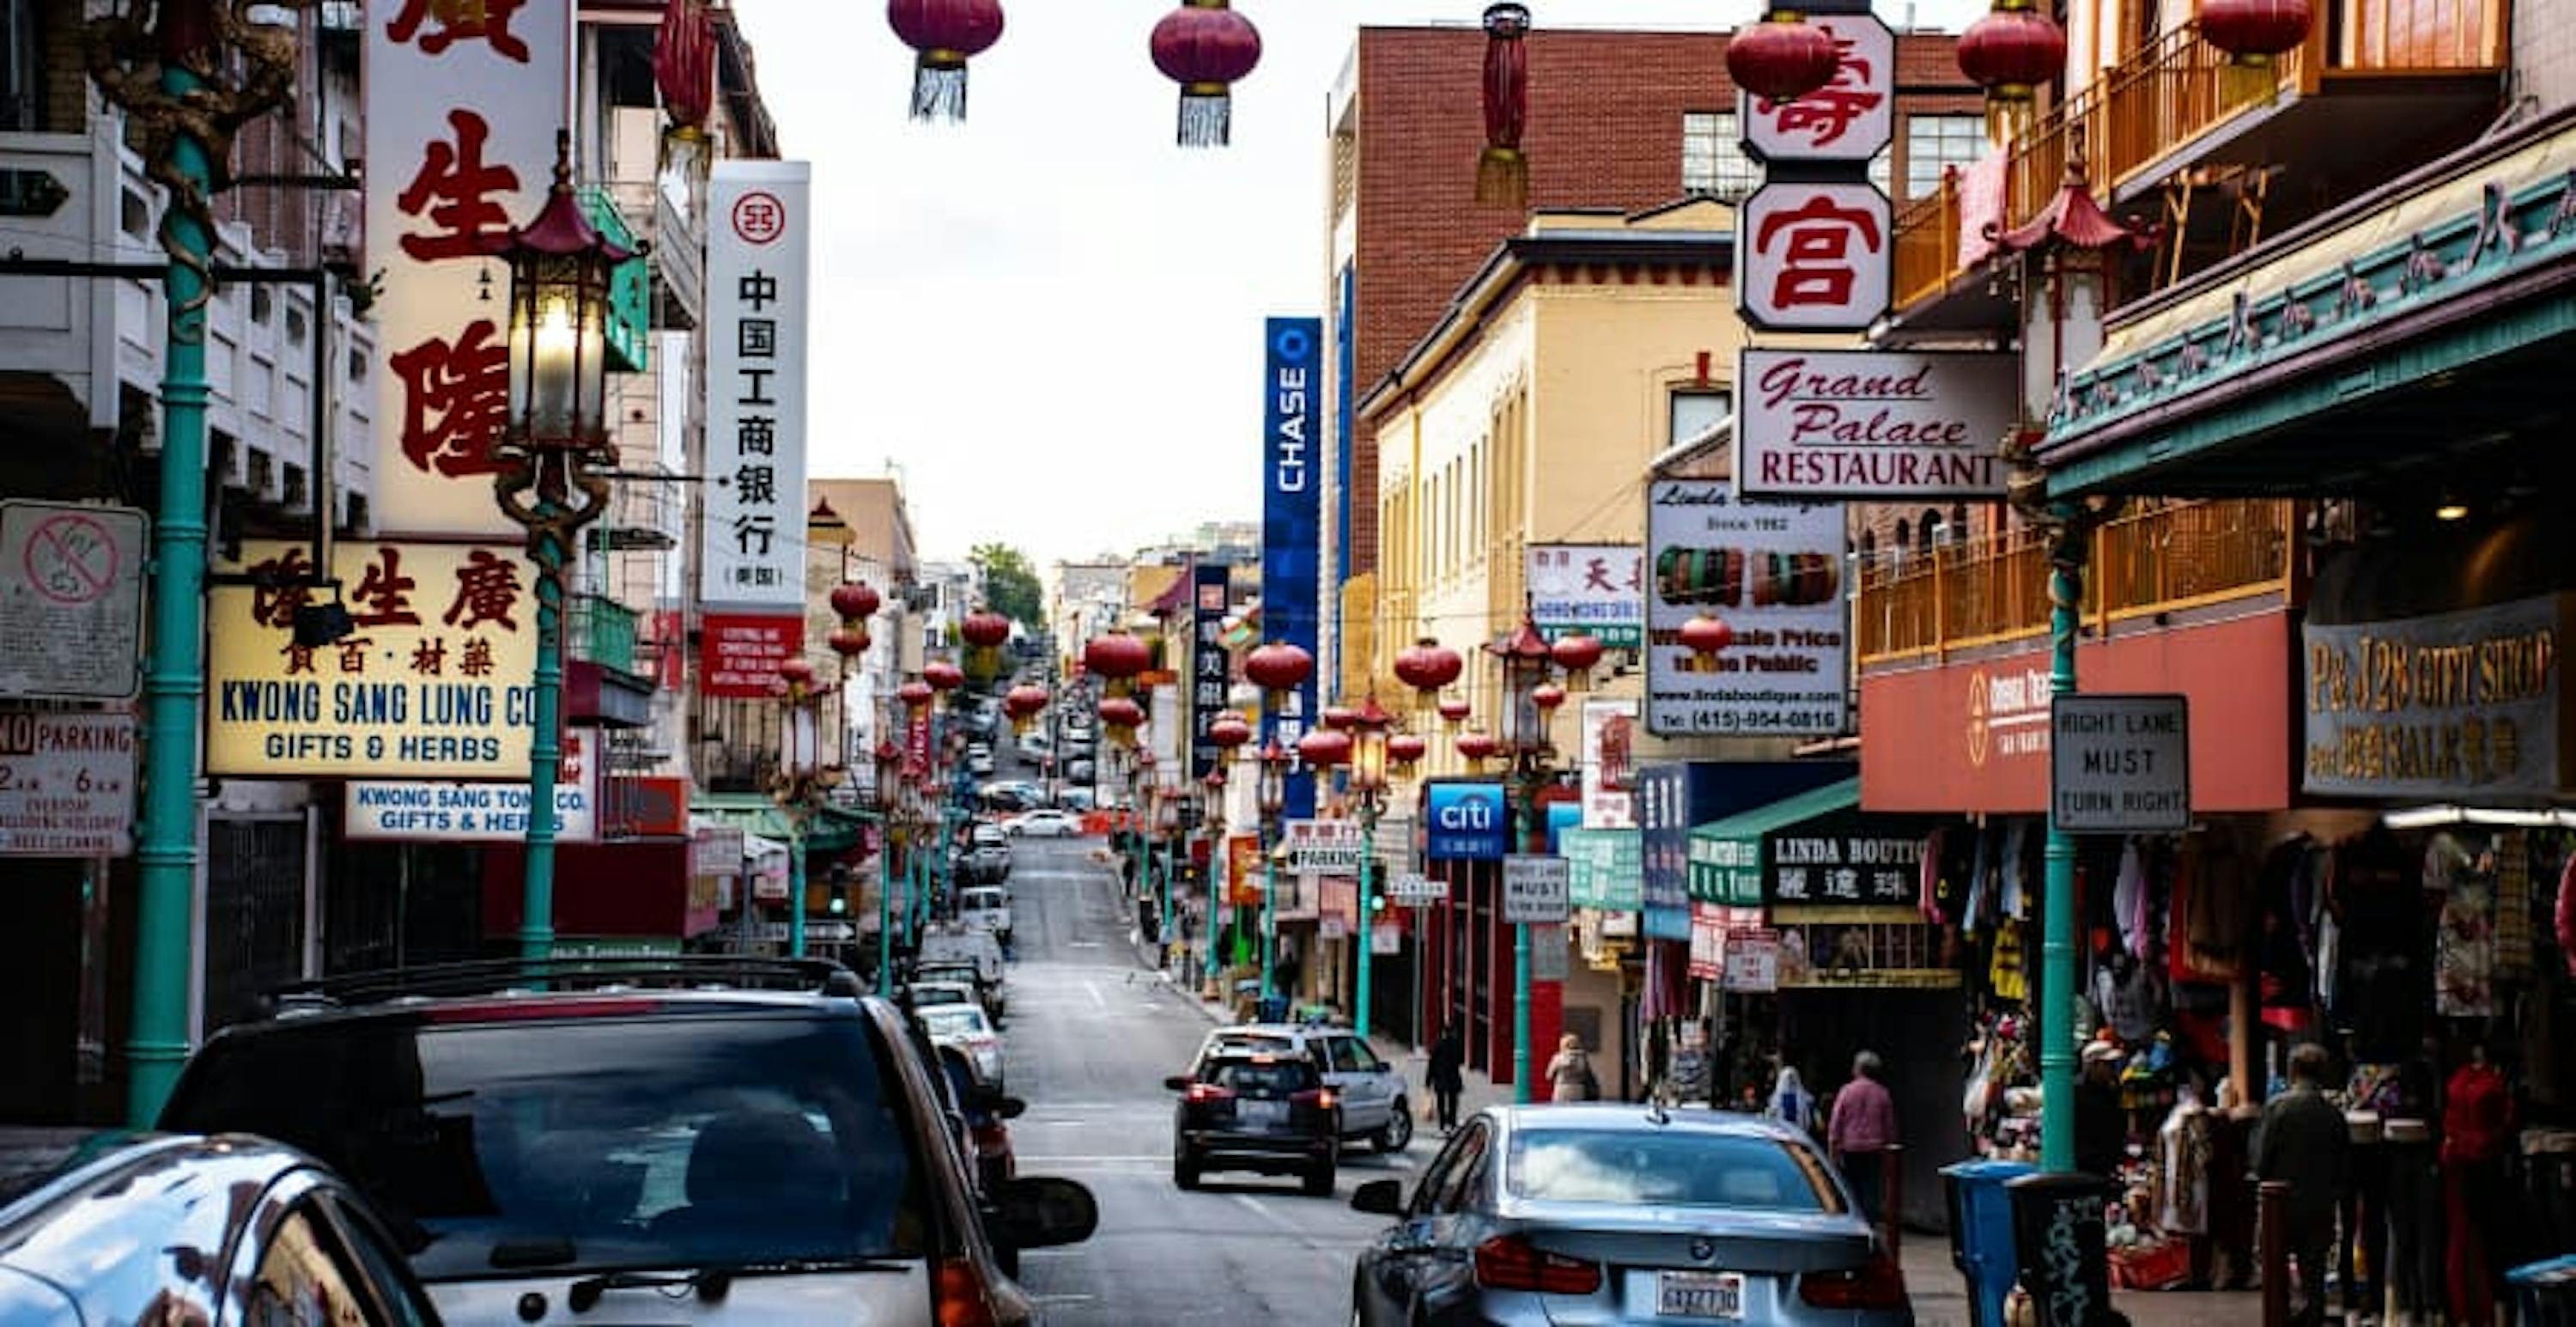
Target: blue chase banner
[1292, 517]
[1466, 822]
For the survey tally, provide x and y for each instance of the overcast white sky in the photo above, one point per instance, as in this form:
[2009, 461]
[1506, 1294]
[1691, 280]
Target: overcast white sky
[1048, 319]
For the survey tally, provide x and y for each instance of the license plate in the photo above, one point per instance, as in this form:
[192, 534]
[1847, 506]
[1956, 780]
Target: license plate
[1261, 1112]
[1699, 1295]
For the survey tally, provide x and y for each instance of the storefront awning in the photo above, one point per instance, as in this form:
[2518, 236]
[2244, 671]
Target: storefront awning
[1726, 855]
[832, 830]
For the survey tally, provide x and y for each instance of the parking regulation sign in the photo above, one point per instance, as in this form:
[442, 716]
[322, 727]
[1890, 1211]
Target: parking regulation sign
[2119, 764]
[1537, 891]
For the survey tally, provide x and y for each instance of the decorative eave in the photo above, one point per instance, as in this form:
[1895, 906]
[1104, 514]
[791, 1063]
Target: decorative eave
[2072, 219]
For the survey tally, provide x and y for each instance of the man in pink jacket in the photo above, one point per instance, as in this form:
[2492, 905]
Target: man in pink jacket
[1863, 1127]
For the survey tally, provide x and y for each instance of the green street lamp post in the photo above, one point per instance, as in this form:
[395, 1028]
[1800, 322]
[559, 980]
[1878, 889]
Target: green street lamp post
[553, 460]
[1219, 866]
[1368, 784]
[1525, 659]
[889, 767]
[1273, 797]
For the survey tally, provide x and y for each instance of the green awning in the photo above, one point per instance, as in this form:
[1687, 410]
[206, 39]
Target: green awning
[1726, 855]
[832, 830]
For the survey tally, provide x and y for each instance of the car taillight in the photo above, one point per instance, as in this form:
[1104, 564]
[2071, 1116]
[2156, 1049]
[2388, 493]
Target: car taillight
[1205, 1092]
[1879, 1285]
[959, 1294]
[1508, 1262]
[1321, 1098]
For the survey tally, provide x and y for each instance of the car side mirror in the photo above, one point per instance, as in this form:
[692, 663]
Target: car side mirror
[1042, 1213]
[1177, 1083]
[1379, 1198]
[1010, 1108]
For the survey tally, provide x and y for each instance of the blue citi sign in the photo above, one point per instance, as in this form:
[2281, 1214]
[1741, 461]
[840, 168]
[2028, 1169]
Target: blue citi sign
[1468, 822]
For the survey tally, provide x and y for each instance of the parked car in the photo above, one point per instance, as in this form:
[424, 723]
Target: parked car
[1080, 769]
[984, 864]
[1043, 824]
[1272, 1114]
[987, 908]
[637, 1136]
[986, 1113]
[965, 1027]
[118, 1227]
[1625, 1214]
[1372, 1091]
[923, 995]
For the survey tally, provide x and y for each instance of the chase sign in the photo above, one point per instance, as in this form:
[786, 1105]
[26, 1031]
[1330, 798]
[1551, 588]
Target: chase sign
[1466, 822]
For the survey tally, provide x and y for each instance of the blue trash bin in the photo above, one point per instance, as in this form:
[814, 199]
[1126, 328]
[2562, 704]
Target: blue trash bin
[1981, 1233]
[2544, 1293]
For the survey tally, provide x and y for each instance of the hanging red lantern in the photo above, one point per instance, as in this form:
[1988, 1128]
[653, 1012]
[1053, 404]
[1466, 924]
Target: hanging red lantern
[1706, 637]
[1477, 748]
[1117, 657]
[1228, 732]
[1122, 717]
[2252, 33]
[1404, 749]
[1502, 173]
[1325, 748]
[849, 642]
[2012, 52]
[1782, 58]
[1427, 666]
[985, 629]
[855, 601]
[1340, 718]
[1206, 47]
[946, 33]
[916, 695]
[1278, 668]
[1023, 703]
[684, 66]
[1454, 712]
[1547, 696]
[942, 675]
[1577, 653]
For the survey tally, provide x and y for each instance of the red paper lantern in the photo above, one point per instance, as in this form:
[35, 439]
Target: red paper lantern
[915, 694]
[1117, 656]
[1405, 748]
[1502, 172]
[1454, 712]
[2012, 52]
[684, 64]
[1324, 748]
[1547, 696]
[1278, 667]
[1228, 732]
[855, 601]
[942, 675]
[1122, 713]
[1477, 747]
[1782, 58]
[797, 672]
[985, 629]
[849, 642]
[2253, 31]
[1426, 666]
[1206, 47]
[946, 33]
[1340, 718]
[1577, 654]
[1023, 703]
[1705, 636]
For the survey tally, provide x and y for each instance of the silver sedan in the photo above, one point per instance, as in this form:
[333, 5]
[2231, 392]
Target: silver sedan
[1611, 1214]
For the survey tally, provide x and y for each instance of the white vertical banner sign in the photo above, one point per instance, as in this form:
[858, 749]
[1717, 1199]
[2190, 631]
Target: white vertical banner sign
[760, 230]
[463, 103]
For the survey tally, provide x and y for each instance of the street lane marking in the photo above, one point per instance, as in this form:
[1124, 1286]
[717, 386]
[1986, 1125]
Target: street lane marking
[1098, 1001]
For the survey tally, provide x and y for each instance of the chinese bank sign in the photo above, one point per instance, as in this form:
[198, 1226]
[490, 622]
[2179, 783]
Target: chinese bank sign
[462, 104]
[435, 682]
[2455, 705]
[1466, 822]
[1292, 486]
[759, 239]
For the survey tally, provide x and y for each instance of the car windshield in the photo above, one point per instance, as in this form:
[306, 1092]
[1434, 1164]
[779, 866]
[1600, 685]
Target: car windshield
[940, 992]
[1252, 1043]
[1262, 1078]
[955, 1020]
[982, 898]
[1668, 1168]
[497, 1149]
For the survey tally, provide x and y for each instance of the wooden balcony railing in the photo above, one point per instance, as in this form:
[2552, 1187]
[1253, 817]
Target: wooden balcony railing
[2156, 561]
[2173, 92]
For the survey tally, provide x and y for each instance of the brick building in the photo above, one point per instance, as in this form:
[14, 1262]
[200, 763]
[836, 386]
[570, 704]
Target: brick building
[1617, 119]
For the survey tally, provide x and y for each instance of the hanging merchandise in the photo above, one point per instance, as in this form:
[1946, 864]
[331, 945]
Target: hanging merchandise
[2016, 843]
[2512, 905]
[2464, 938]
[2005, 974]
[1502, 173]
[2129, 900]
[946, 34]
[2567, 914]
[2183, 1148]
[1206, 47]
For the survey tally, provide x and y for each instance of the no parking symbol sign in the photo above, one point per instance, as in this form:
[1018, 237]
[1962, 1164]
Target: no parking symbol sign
[71, 600]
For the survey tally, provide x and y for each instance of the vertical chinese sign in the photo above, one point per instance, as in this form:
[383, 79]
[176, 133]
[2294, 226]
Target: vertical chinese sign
[752, 550]
[463, 102]
[1291, 524]
[1209, 672]
[1815, 241]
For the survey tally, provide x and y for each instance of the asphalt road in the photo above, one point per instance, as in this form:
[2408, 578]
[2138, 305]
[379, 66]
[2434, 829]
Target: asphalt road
[1092, 1035]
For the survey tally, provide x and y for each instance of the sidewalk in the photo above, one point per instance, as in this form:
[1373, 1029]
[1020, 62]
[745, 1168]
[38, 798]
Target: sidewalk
[1940, 1293]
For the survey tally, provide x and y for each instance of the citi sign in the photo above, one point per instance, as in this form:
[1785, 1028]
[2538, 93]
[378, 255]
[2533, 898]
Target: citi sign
[1467, 822]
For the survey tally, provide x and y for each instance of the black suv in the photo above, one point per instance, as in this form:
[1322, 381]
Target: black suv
[638, 1135]
[1267, 1113]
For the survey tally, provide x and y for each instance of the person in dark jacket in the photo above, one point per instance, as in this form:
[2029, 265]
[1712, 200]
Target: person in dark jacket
[2101, 1123]
[2305, 1142]
[1446, 1079]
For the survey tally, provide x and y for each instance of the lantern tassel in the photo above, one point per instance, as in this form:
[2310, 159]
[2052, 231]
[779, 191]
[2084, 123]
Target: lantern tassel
[2248, 80]
[939, 89]
[2008, 117]
[1502, 178]
[1207, 117]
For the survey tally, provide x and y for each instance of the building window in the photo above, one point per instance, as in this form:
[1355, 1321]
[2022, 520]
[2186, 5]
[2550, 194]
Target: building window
[1713, 160]
[1934, 144]
[1696, 411]
[22, 67]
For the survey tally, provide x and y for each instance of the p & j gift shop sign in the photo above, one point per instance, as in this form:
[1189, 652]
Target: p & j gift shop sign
[436, 681]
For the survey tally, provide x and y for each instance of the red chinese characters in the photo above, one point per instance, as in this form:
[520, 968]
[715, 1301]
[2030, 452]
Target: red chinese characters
[456, 188]
[451, 21]
[456, 398]
[1851, 119]
[1817, 257]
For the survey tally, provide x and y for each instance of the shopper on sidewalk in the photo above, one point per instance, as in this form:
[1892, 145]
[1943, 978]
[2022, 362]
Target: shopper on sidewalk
[1569, 1074]
[1447, 1078]
[2305, 1142]
[1863, 1127]
[1791, 1103]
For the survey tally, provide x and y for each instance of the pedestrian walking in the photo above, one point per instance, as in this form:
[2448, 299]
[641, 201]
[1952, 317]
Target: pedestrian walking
[1791, 1103]
[2305, 1142]
[1861, 1130]
[1569, 1074]
[1446, 1078]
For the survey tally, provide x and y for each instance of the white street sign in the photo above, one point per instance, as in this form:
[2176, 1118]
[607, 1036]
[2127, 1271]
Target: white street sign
[1415, 889]
[2119, 764]
[71, 600]
[1537, 891]
[1323, 847]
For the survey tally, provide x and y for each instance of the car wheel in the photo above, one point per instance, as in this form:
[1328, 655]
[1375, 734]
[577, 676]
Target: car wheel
[1319, 1181]
[1397, 1134]
[1185, 1170]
